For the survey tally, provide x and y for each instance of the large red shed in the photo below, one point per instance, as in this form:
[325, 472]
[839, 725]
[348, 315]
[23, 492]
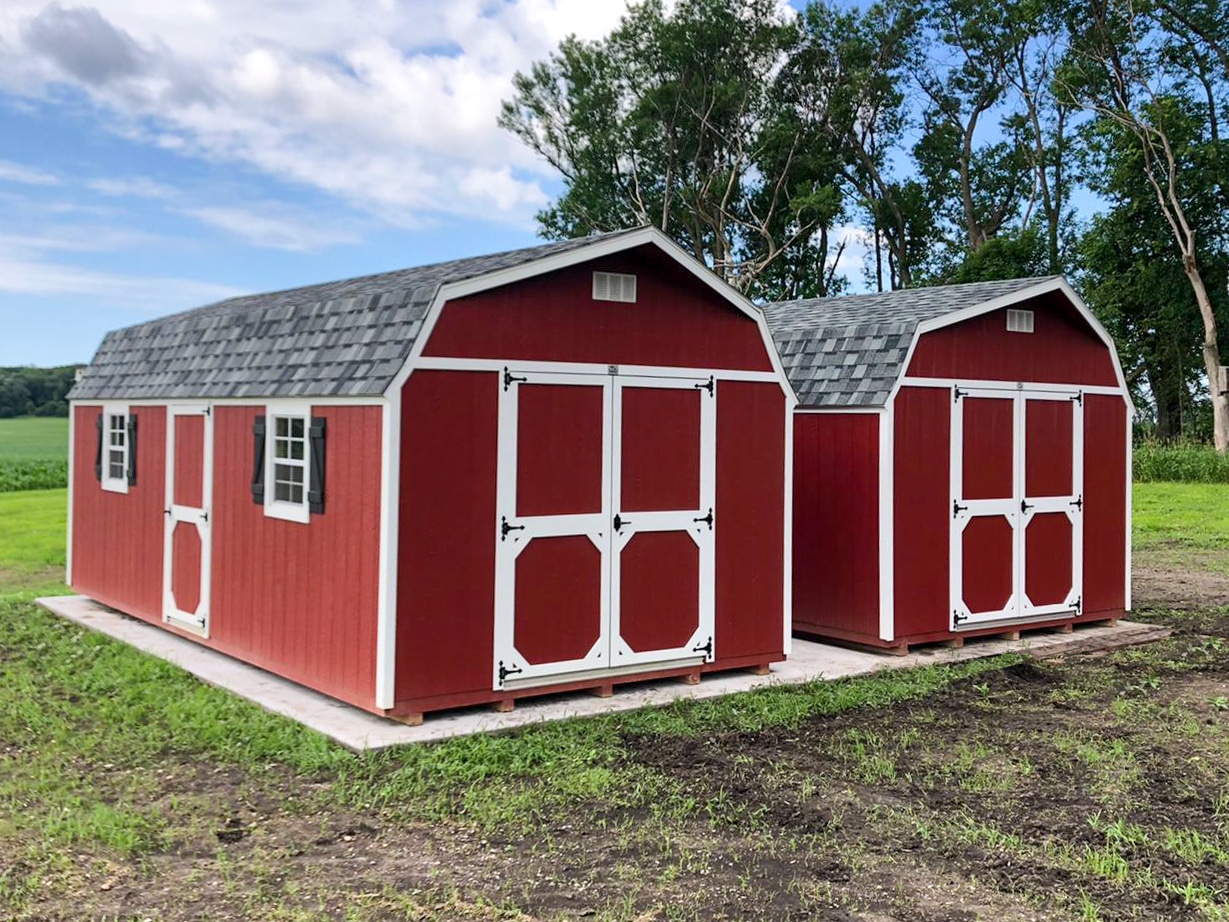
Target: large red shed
[560, 467]
[962, 462]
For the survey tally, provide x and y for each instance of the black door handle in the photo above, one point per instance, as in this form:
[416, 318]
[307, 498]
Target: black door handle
[619, 522]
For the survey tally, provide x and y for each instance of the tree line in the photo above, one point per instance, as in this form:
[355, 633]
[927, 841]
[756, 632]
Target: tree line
[26, 391]
[952, 140]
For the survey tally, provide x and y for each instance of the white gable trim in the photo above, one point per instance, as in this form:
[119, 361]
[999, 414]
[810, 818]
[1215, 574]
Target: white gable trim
[1007, 300]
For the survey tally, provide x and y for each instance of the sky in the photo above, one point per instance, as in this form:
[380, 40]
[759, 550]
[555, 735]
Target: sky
[156, 156]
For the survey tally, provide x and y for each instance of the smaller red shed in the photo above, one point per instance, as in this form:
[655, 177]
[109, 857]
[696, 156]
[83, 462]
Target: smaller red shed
[962, 462]
[560, 467]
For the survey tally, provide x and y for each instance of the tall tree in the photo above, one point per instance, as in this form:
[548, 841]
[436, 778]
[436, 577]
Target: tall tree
[1136, 76]
[676, 119]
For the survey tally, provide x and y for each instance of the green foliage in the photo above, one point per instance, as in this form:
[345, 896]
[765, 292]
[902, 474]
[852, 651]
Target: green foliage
[1010, 255]
[1181, 462]
[32, 475]
[33, 454]
[35, 391]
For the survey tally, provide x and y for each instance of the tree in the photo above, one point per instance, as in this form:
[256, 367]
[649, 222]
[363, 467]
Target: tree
[678, 120]
[1135, 75]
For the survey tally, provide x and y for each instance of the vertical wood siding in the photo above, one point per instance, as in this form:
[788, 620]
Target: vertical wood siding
[300, 599]
[1062, 349]
[1105, 505]
[750, 523]
[836, 522]
[675, 322]
[118, 537]
[446, 583]
[922, 497]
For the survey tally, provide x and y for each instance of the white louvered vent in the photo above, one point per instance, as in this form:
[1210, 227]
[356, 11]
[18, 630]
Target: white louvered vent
[613, 286]
[1019, 321]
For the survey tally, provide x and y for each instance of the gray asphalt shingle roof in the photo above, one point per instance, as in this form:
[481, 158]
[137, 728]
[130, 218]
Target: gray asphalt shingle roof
[346, 338]
[849, 351]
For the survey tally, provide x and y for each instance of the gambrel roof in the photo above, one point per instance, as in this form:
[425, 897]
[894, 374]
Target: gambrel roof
[338, 339]
[850, 351]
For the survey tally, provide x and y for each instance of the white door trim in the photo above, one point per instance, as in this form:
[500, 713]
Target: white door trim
[197, 621]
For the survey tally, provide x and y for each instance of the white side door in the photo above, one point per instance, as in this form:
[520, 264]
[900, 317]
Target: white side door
[189, 495]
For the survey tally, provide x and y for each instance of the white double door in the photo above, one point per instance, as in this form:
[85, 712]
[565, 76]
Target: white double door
[606, 523]
[1017, 476]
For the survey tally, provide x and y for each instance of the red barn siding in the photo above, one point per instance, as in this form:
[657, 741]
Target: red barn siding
[921, 492]
[750, 520]
[300, 600]
[675, 322]
[118, 537]
[836, 522]
[1062, 349]
[1105, 509]
[446, 552]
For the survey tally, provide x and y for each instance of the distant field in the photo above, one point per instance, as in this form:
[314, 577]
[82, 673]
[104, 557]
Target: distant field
[33, 453]
[33, 439]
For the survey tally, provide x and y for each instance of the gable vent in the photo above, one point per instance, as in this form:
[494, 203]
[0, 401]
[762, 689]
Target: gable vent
[1019, 321]
[612, 286]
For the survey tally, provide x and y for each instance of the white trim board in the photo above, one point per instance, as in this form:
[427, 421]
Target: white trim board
[390, 523]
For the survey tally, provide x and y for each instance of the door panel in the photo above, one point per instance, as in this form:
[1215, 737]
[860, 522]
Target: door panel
[660, 449]
[558, 599]
[559, 449]
[664, 552]
[185, 595]
[989, 559]
[1017, 474]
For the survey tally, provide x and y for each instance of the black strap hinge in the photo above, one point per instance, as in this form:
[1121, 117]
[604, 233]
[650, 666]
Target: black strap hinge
[958, 618]
[1079, 398]
[504, 528]
[707, 520]
[957, 508]
[1078, 502]
[957, 393]
[706, 648]
[710, 386]
[504, 672]
[509, 377]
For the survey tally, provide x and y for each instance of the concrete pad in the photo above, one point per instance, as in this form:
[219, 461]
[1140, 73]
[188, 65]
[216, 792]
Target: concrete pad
[359, 730]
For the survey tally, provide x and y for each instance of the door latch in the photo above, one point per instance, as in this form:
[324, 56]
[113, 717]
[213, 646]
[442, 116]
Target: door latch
[504, 528]
[1025, 505]
[619, 522]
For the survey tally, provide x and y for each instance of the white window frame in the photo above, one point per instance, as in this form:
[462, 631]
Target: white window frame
[111, 411]
[284, 509]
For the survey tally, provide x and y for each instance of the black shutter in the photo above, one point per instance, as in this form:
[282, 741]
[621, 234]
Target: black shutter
[258, 461]
[315, 493]
[132, 449]
[98, 424]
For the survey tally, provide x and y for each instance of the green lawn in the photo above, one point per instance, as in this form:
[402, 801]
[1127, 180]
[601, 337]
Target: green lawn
[33, 438]
[999, 788]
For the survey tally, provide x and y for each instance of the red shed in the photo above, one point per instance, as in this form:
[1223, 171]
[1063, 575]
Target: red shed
[962, 462]
[560, 467]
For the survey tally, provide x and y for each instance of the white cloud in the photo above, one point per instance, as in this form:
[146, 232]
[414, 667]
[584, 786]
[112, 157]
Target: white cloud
[135, 186]
[275, 226]
[23, 173]
[140, 293]
[391, 107]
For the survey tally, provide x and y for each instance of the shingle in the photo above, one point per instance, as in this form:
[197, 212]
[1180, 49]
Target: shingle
[348, 337]
[850, 351]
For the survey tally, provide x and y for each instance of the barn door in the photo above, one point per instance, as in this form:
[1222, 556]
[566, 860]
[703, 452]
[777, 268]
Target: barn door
[605, 525]
[552, 571]
[985, 508]
[1052, 504]
[1017, 507]
[664, 491]
[189, 453]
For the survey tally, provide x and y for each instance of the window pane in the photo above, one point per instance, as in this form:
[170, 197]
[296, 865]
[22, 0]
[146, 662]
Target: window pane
[296, 450]
[296, 427]
[281, 448]
[283, 426]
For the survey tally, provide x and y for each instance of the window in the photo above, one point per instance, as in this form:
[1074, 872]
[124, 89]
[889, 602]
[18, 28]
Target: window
[289, 459]
[115, 458]
[289, 462]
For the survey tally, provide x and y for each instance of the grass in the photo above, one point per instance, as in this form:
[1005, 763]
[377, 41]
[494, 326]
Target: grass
[1182, 525]
[32, 531]
[33, 454]
[1183, 462]
[33, 438]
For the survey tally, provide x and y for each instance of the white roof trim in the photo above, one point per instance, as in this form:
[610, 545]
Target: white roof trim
[1007, 300]
[606, 246]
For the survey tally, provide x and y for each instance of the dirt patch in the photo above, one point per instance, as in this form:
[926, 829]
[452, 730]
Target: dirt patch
[1181, 589]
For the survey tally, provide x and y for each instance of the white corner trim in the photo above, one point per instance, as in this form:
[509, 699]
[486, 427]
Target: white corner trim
[788, 556]
[887, 523]
[72, 441]
[1130, 500]
[390, 520]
